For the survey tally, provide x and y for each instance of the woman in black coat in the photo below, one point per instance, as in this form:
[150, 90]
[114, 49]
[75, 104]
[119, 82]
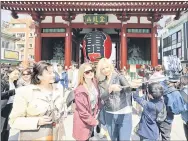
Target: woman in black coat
[8, 86]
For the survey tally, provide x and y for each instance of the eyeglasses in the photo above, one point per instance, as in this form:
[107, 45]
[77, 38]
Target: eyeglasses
[88, 71]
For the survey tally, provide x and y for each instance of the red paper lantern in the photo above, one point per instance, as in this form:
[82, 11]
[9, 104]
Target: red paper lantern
[96, 45]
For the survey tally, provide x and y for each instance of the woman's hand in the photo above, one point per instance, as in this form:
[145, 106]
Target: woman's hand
[45, 120]
[115, 88]
[97, 123]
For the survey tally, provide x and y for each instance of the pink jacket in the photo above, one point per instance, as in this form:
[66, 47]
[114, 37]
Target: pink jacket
[83, 120]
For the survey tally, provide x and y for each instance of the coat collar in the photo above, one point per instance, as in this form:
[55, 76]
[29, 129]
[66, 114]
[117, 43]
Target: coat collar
[54, 95]
[113, 77]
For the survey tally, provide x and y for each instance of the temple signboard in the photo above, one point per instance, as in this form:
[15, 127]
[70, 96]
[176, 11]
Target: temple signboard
[96, 19]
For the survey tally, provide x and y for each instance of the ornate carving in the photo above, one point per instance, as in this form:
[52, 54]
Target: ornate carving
[178, 15]
[68, 17]
[123, 17]
[14, 14]
[42, 17]
[155, 17]
[35, 16]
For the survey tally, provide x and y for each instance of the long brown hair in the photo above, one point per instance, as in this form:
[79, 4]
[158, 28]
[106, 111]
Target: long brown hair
[81, 73]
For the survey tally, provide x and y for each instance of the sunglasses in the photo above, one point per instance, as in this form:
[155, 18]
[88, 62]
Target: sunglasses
[88, 71]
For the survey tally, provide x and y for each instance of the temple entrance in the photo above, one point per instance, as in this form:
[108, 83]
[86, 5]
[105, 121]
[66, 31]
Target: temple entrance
[139, 50]
[53, 49]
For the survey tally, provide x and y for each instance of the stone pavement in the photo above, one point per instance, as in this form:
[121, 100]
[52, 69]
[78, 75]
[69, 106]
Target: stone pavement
[176, 134]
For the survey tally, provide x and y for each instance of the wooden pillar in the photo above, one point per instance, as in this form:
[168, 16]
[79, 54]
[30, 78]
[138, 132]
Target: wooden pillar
[71, 46]
[116, 55]
[123, 48]
[77, 51]
[154, 48]
[38, 45]
[68, 53]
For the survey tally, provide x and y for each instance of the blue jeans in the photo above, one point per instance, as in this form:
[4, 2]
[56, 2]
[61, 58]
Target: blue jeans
[145, 139]
[119, 126]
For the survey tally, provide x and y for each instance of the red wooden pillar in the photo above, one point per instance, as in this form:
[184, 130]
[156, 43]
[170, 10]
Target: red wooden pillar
[123, 48]
[68, 47]
[38, 43]
[154, 48]
[77, 52]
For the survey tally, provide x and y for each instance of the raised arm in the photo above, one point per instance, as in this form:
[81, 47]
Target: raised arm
[124, 82]
[139, 99]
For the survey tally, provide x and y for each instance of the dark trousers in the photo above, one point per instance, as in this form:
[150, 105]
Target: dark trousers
[4, 135]
[5, 112]
[165, 130]
[185, 126]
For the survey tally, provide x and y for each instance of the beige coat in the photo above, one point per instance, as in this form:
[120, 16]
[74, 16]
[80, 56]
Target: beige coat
[30, 104]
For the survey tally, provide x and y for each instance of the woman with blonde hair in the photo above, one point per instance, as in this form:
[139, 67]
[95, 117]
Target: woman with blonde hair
[115, 92]
[86, 101]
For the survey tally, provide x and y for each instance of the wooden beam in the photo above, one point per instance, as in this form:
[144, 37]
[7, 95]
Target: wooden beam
[138, 35]
[82, 25]
[55, 25]
[137, 25]
[53, 35]
[102, 5]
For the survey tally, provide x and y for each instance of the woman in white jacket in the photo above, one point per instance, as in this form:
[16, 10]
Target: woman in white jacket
[37, 107]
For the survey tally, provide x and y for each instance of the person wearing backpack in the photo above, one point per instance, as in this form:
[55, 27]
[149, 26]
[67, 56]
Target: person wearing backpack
[184, 94]
[147, 128]
[174, 106]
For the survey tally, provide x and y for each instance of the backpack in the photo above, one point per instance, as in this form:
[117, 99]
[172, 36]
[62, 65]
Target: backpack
[184, 94]
[161, 116]
[173, 99]
[175, 102]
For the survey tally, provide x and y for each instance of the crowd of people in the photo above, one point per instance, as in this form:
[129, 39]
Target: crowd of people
[34, 101]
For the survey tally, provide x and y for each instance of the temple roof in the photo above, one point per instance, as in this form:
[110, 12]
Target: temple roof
[164, 7]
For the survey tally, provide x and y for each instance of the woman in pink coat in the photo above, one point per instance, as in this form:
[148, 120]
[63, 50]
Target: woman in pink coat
[86, 100]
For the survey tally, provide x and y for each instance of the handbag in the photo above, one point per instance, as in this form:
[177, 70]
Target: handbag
[70, 98]
[44, 133]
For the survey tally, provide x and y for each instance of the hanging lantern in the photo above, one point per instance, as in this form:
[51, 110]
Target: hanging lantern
[96, 45]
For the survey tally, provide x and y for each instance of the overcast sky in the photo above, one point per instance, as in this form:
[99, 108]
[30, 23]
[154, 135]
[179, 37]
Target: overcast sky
[6, 15]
